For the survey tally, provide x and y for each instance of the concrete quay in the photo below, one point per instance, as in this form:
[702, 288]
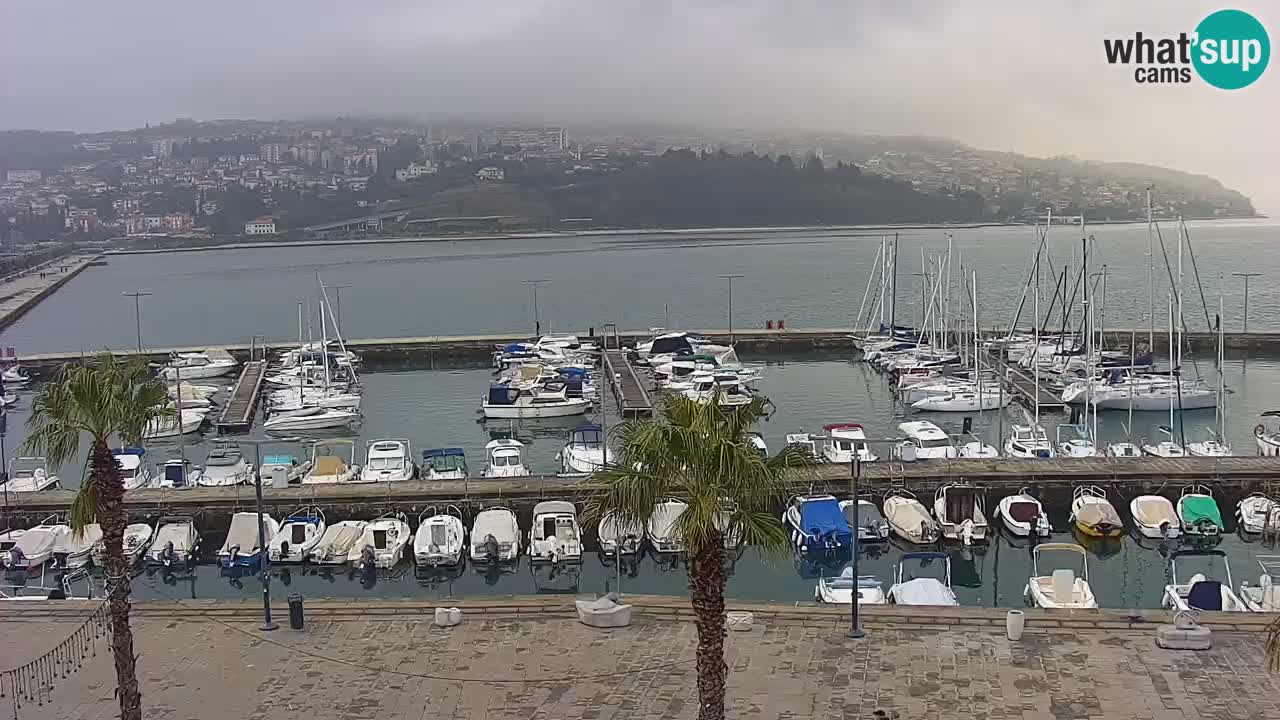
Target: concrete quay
[20, 294]
[526, 657]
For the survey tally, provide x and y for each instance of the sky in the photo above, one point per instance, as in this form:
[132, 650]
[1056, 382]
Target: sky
[1027, 77]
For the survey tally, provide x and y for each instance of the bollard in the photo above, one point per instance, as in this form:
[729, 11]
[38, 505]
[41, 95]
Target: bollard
[768, 324]
[295, 612]
[782, 324]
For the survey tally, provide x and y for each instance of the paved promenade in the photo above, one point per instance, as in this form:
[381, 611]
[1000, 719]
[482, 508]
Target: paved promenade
[529, 659]
[17, 294]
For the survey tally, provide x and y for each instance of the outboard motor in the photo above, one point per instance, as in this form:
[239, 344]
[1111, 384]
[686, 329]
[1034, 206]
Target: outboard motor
[284, 549]
[166, 555]
[16, 556]
[491, 548]
[368, 561]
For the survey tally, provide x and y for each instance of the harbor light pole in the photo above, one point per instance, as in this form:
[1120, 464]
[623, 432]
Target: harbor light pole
[537, 321]
[137, 312]
[1246, 276]
[855, 624]
[730, 279]
[263, 557]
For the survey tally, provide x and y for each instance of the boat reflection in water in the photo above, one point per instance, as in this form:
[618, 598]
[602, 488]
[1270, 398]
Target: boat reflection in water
[556, 578]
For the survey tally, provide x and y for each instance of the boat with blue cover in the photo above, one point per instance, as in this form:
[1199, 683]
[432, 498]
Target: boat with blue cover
[817, 525]
[444, 464]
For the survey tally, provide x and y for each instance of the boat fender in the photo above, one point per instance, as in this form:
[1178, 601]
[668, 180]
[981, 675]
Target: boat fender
[284, 549]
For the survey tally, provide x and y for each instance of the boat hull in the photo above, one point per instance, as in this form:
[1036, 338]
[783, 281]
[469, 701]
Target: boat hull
[517, 412]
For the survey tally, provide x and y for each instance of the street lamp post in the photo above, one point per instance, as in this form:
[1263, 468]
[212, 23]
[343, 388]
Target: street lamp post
[537, 321]
[855, 624]
[730, 279]
[263, 557]
[1246, 276]
[137, 313]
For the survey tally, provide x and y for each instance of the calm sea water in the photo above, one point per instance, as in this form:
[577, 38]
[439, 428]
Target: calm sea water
[812, 278]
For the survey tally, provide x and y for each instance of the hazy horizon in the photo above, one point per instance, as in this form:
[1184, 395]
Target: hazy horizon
[1003, 76]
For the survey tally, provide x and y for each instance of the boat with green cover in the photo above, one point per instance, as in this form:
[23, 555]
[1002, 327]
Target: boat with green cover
[1198, 512]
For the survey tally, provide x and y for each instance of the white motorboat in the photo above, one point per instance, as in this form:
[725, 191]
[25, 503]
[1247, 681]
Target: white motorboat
[1076, 444]
[1028, 441]
[283, 465]
[179, 423]
[1164, 448]
[555, 535]
[1198, 512]
[225, 465]
[382, 544]
[1023, 515]
[908, 590]
[1155, 517]
[928, 440]
[328, 464]
[845, 441]
[388, 460]
[1124, 450]
[298, 536]
[817, 525]
[35, 547]
[584, 452]
[909, 519]
[728, 391]
[9, 399]
[193, 396]
[177, 542]
[75, 550]
[198, 365]
[805, 441]
[334, 546]
[1267, 439]
[758, 443]
[661, 529]
[14, 375]
[1216, 445]
[870, 524]
[444, 464]
[1061, 588]
[289, 401]
[839, 590]
[441, 539]
[133, 469]
[1265, 596]
[615, 539]
[961, 512]
[241, 548]
[1093, 514]
[975, 448]
[179, 473]
[1256, 513]
[506, 459]
[312, 418]
[964, 401]
[8, 539]
[550, 400]
[1200, 592]
[495, 536]
[913, 389]
[137, 538]
[29, 474]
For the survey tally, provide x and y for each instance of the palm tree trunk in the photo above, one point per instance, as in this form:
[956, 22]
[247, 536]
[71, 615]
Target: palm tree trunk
[111, 515]
[706, 589]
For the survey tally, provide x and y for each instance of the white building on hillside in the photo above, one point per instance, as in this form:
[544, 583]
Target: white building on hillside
[261, 226]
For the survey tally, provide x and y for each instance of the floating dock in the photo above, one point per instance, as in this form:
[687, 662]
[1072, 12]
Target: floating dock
[633, 399]
[237, 414]
[1024, 388]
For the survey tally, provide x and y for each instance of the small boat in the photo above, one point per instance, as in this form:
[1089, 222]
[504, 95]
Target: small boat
[661, 529]
[928, 440]
[844, 442]
[495, 536]
[75, 550]
[283, 465]
[179, 423]
[817, 525]
[1198, 512]
[136, 540]
[964, 401]
[870, 524]
[133, 470]
[806, 441]
[225, 465]
[441, 538]
[549, 400]
[34, 547]
[328, 464]
[1124, 450]
[1200, 592]
[1080, 446]
[198, 365]
[555, 535]
[9, 399]
[28, 474]
[961, 512]
[1028, 441]
[757, 442]
[839, 590]
[177, 542]
[334, 546]
[14, 375]
[616, 539]
[1267, 440]
[1164, 448]
[444, 464]
[241, 548]
[1255, 512]
[506, 459]
[179, 473]
[387, 460]
[907, 590]
[382, 544]
[312, 418]
[1093, 514]
[298, 536]
[1155, 517]
[584, 452]
[909, 519]
[975, 448]
[1215, 446]
[1061, 588]
[1023, 515]
[1265, 596]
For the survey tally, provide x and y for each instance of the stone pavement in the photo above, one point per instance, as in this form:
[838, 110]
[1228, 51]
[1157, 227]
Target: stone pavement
[17, 292]
[530, 664]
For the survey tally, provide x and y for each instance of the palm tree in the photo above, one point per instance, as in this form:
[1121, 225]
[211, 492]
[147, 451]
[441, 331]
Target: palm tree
[105, 399]
[701, 454]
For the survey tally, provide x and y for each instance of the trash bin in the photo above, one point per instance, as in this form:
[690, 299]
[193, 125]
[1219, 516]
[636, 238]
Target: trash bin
[295, 612]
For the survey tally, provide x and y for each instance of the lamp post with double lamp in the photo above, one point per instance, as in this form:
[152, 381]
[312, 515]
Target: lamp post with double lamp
[1246, 276]
[730, 279]
[137, 313]
[267, 624]
[537, 321]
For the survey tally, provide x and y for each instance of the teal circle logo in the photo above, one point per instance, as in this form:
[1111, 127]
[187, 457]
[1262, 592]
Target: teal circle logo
[1232, 49]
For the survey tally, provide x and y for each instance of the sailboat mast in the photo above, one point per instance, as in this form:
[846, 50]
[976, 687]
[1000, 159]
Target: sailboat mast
[1220, 408]
[977, 359]
[893, 295]
[1173, 370]
[1151, 278]
[301, 355]
[1035, 357]
[1178, 295]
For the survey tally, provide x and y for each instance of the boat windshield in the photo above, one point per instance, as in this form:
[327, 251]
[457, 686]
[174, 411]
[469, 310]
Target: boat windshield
[935, 443]
[446, 463]
[222, 459]
[506, 460]
[386, 463]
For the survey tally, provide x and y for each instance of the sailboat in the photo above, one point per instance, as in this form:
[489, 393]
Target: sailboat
[1217, 445]
[1168, 448]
